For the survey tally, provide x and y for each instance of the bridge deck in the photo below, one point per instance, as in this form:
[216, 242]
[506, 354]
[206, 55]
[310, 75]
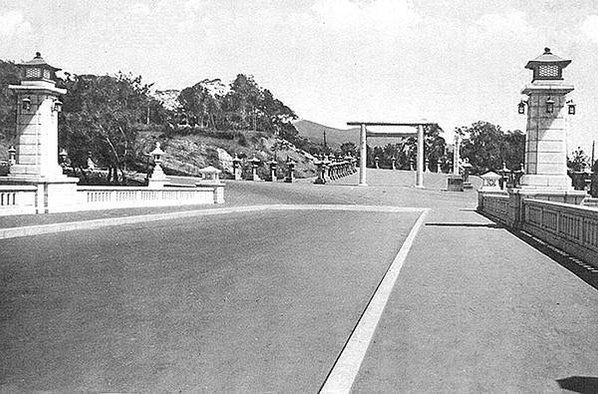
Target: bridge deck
[475, 307]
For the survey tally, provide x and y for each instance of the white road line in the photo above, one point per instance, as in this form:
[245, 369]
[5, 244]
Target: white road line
[14, 232]
[348, 363]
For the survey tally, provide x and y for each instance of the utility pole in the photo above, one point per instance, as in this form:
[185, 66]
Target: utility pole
[325, 144]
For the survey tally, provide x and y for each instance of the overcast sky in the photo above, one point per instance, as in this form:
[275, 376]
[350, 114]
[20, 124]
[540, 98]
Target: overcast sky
[332, 61]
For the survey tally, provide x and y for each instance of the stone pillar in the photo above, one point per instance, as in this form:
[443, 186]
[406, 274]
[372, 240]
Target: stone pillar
[36, 149]
[419, 177]
[546, 137]
[362, 156]
[37, 131]
[456, 157]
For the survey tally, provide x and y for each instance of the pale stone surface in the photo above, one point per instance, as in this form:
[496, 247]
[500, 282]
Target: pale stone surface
[546, 137]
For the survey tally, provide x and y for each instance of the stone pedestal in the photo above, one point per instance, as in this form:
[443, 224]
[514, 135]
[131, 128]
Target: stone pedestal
[158, 178]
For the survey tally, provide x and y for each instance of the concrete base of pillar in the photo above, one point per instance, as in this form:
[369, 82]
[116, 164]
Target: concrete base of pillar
[552, 182]
[58, 194]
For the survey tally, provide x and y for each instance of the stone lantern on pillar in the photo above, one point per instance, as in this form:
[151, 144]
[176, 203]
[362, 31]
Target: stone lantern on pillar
[36, 148]
[38, 106]
[545, 176]
[546, 136]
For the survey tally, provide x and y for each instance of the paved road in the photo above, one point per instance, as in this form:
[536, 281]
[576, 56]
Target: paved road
[475, 308]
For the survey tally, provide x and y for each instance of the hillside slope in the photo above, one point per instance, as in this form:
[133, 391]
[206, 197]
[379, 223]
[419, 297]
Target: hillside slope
[187, 154]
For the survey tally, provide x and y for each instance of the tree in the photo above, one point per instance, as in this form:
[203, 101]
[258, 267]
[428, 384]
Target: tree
[578, 160]
[242, 102]
[101, 116]
[348, 148]
[487, 147]
[9, 75]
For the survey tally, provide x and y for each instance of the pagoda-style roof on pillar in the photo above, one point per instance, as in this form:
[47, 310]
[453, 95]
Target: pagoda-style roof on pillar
[547, 66]
[37, 76]
[38, 69]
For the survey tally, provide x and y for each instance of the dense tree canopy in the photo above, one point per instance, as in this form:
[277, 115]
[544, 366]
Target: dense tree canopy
[246, 106]
[9, 75]
[487, 147]
[100, 118]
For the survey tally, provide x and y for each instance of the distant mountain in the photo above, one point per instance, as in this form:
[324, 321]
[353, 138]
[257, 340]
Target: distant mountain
[334, 137]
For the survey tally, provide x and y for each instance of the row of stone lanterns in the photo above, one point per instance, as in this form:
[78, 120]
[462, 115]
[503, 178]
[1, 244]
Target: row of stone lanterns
[334, 167]
[272, 165]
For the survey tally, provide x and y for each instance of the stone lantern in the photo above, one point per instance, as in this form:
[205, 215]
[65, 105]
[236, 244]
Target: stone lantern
[491, 181]
[158, 178]
[377, 162]
[236, 168]
[466, 167]
[210, 176]
[546, 136]
[12, 154]
[393, 161]
[273, 164]
[290, 178]
[36, 148]
[255, 162]
[320, 179]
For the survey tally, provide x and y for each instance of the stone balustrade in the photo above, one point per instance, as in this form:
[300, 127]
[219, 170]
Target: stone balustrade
[102, 197]
[569, 227]
[17, 199]
[495, 205]
[572, 228]
[21, 200]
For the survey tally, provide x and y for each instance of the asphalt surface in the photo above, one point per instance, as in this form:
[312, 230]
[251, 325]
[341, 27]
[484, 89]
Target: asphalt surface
[265, 301]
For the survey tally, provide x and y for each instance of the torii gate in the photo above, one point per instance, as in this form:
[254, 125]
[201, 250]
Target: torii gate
[419, 178]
